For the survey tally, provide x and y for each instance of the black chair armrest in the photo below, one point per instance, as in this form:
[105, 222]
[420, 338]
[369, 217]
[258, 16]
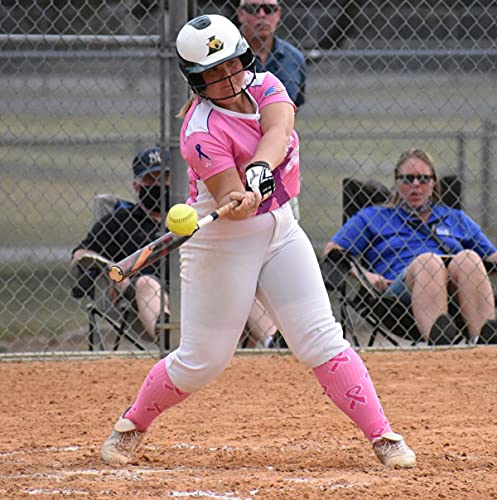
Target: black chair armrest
[85, 283]
[335, 267]
[491, 267]
[85, 272]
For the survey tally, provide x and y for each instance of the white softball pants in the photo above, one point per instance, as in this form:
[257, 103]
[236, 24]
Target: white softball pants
[223, 267]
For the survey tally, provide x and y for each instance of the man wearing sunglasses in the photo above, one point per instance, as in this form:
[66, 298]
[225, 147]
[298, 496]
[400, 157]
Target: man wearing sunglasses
[422, 251]
[259, 20]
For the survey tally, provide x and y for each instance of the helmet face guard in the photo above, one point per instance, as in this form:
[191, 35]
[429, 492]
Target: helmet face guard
[206, 42]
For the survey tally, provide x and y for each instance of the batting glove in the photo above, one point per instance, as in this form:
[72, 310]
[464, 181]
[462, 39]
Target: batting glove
[259, 179]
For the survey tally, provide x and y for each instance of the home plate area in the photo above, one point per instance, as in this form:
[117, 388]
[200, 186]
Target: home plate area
[262, 430]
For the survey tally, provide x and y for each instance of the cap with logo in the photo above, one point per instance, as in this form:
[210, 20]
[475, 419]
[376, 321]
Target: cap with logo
[148, 161]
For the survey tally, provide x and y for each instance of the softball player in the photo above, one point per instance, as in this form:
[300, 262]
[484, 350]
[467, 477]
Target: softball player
[239, 142]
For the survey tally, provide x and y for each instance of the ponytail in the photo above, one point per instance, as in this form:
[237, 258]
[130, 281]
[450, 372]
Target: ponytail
[187, 105]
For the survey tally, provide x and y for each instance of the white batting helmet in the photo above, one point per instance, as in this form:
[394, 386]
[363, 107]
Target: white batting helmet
[205, 42]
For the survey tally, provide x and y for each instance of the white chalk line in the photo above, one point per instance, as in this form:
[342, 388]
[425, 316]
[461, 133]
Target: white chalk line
[177, 494]
[49, 449]
[137, 474]
[57, 449]
[117, 473]
[206, 494]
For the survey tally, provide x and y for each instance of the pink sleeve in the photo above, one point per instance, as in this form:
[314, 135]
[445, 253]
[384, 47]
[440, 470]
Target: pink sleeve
[271, 90]
[201, 148]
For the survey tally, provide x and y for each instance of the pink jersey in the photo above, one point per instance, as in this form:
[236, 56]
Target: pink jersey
[214, 139]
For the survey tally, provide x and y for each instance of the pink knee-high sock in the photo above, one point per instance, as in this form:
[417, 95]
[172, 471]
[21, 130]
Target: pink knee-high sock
[156, 395]
[345, 380]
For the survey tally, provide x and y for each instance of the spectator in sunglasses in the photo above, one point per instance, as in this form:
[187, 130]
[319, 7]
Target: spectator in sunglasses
[259, 20]
[421, 251]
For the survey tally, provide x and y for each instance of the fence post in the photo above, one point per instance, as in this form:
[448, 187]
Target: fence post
[461, 162]
[164, 335]
[485, 178]
[178, 10]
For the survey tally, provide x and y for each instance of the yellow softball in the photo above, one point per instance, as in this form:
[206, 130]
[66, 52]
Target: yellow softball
[182, 219]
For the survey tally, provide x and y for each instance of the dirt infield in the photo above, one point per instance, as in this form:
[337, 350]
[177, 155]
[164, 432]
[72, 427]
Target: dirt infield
[263, 430]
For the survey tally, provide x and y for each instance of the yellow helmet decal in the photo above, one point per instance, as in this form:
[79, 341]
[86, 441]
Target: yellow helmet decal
[215, 45]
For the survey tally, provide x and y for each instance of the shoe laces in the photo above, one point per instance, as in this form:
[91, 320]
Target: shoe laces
[393, 448]
[127, 440]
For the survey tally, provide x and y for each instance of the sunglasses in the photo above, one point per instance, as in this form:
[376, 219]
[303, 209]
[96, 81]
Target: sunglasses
[254, 8]
[410, 178]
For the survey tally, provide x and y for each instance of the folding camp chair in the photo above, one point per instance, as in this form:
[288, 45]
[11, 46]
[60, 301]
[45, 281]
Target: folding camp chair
[344, 275]
[92, 282]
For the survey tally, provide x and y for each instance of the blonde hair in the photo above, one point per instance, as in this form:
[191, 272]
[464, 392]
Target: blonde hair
[187, 105]
[425, 158]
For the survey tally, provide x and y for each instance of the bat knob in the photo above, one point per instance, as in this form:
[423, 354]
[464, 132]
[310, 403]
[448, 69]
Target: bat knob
[115, 274]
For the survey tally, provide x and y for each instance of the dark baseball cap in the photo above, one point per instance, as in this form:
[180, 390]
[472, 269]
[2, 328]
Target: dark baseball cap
[149, 160]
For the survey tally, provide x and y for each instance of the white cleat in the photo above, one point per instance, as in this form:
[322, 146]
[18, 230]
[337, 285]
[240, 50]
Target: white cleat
[122, 444]
[392, 451]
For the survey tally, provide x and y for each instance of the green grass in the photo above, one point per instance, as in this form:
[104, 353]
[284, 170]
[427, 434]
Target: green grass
[36, 304]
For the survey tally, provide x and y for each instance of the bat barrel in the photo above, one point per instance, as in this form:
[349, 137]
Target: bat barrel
[159, 248]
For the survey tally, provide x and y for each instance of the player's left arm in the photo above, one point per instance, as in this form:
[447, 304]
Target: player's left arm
[277, 123]
[277, 120]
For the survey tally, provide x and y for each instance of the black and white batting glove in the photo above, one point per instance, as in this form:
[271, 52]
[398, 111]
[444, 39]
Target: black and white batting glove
[259, 179]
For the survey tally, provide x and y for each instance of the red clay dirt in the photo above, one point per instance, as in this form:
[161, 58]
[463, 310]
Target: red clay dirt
[263, 430]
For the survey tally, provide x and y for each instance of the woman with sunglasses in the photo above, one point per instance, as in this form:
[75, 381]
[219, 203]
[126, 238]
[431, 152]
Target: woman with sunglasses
[420, 251]
[239, 143]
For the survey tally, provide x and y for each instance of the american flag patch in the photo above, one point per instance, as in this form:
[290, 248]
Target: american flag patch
[275, 89]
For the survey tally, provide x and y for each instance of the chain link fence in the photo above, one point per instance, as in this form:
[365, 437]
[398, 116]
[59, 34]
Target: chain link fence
[85, 85]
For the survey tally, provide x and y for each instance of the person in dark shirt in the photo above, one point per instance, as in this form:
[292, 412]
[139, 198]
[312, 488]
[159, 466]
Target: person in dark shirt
[259, 20]
[126, 229]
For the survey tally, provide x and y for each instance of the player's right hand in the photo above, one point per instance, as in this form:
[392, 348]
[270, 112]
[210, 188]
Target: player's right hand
[249, 203]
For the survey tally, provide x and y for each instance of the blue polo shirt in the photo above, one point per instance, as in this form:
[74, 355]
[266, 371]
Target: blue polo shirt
[288, 64]
[385, 239]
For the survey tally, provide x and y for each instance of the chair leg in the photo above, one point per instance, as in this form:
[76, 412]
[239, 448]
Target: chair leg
[121, 332]
[163, 333]
[392, 340]
[372, 337]
[388, 337]
[134, 341]
[165, 339]
[347, 325]
[91, 334]
[95, 341]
